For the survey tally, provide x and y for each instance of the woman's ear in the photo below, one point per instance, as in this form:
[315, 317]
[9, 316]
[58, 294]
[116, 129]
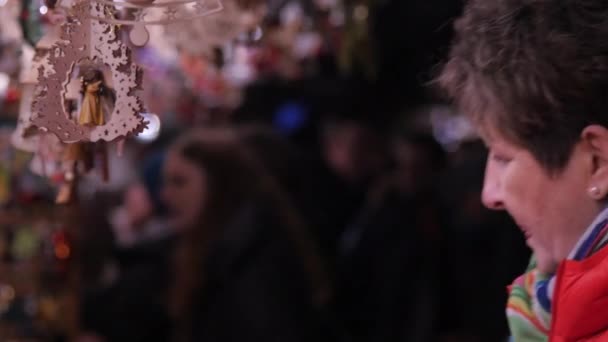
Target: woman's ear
[595, 138]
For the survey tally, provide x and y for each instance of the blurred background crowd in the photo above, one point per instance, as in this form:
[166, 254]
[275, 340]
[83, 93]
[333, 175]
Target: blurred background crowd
[304, 184]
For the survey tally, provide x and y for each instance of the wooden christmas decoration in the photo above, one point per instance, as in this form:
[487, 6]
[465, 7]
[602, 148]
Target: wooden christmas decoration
[89, 47]
[142, 13]
[85, 90]
[201, 36]
[26, 136]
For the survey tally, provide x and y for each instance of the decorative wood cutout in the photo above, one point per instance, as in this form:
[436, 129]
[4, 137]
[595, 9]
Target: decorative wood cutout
[26, 137]
[201, 36]
[171, 11]
[88, 44]
[150, 12]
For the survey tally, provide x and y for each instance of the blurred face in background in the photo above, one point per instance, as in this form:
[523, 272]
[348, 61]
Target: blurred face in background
[414, 170]
[419, 162]
[139, 205]
[184, 190]
[353, 151]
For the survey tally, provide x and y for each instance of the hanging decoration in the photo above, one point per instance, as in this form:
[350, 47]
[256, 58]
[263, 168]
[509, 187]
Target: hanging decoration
[142, 13]
[86, 94]
[80, 91]
[89, 49]
[48, 150]
[26, 136]
[199, 38]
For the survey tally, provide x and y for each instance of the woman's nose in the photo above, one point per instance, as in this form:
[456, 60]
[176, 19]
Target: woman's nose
[491, 201]
[492, 196]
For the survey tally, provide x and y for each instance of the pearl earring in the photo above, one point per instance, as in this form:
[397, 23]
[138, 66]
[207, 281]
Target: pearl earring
[595, 192]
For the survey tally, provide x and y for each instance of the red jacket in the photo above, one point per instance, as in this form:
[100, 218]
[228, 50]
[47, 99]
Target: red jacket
[580, 304]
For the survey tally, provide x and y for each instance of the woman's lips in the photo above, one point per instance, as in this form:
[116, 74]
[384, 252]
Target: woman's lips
[526, 232]
[527, 235]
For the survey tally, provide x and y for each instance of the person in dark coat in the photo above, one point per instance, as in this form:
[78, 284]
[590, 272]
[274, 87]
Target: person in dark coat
[388, 280]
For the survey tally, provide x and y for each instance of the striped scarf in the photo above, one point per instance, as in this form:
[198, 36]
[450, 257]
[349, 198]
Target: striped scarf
[529, 304]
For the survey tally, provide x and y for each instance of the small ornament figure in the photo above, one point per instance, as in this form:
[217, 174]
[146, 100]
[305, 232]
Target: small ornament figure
[93, 88]
[79, 157]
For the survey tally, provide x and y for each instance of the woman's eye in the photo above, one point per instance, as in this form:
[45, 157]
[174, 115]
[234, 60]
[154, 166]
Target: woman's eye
[501, 159]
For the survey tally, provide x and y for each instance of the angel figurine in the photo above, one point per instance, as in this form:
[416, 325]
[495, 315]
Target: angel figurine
[93, 89]
[79, 157]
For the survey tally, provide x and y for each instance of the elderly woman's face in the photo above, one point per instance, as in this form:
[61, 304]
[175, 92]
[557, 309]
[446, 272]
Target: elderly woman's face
[551, 210]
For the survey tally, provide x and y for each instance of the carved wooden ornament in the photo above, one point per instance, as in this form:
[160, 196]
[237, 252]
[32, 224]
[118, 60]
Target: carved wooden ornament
[199, 37]
[93, 44]
[151, 12]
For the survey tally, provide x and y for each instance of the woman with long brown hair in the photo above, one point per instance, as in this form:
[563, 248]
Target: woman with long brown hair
[245, 268]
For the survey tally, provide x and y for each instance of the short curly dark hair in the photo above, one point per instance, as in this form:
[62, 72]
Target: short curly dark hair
[535, 71]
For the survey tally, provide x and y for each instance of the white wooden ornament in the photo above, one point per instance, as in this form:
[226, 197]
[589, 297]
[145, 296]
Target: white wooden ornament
[150, 12]
[88, 42]
[161, 12]
[201, 36]
[25, 137]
